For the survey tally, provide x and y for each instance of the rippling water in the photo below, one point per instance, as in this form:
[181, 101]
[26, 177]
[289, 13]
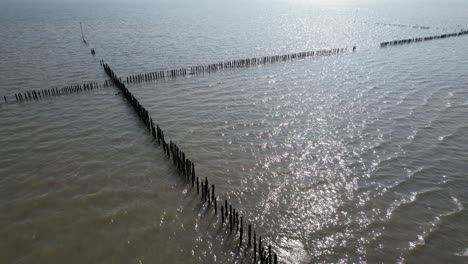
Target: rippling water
[359, 157]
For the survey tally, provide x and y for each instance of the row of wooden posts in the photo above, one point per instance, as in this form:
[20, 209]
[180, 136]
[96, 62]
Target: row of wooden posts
[229, 217]
[150, 76]
[401, 25]
[34, 95]
[398, 25]
[412, 40]
[40, 94]
[145, 77]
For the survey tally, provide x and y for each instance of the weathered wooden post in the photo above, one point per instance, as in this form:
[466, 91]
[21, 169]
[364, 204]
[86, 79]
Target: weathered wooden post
[215, 201]
[193, 173]
[260, 249]
[206, 188]
[230, 218]
[269, 254]
[241, 231]
[250, 235]
[237, 221]
[234, 217]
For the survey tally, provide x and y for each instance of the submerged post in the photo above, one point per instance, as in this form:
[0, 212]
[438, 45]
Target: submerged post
[241, 230]
[215, 201]
[250, 235]
[269, 254]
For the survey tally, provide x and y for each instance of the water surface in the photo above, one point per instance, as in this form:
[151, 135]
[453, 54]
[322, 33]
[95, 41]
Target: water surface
[359, 157]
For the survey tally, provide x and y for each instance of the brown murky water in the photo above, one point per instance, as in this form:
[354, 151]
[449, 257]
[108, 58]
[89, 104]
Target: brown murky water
[359, 157]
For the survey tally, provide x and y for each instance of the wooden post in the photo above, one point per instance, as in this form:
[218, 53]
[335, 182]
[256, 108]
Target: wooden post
[193, 173]
[250, 235]
[269, 254]
[234, 218]
[260, 249]
[182, 163]
[206, 188]
[230, 218]
[215, 201]
[241, 231]
[187, 168]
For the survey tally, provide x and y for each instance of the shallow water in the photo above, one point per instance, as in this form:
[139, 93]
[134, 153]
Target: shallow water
[359, 157]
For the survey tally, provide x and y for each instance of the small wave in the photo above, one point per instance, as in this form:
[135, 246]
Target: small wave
[411, 174]
[435, 225]
[380, 145]
[457, 203]
[420, 241]
[389, 161]
[294, 252]
[462, 253]
[402, 202]
[407, 200]
[443, 137]
[412, 135]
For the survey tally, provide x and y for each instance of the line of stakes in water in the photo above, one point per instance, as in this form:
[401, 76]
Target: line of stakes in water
[395, 25]
[412, 40]
[214, 67]
[34, 95]
[230, 218]
[402, 25]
